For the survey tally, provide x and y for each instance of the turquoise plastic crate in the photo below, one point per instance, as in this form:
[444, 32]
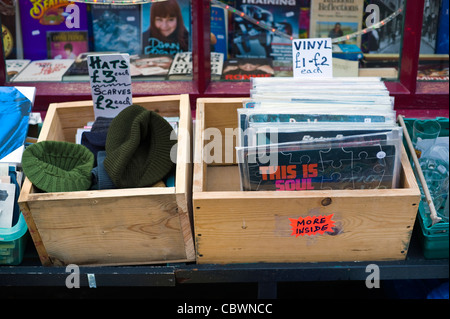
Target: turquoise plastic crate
[434, 238]
[13, 241]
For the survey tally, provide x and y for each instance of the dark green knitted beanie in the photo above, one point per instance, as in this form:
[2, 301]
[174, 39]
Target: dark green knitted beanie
[138, 148]
[54, 166]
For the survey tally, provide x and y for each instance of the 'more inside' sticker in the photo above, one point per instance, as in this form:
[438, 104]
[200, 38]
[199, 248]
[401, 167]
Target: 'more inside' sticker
[311, 225]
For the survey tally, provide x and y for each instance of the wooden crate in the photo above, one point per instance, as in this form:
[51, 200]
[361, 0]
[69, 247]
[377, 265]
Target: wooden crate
[232, 226]
[117, 226]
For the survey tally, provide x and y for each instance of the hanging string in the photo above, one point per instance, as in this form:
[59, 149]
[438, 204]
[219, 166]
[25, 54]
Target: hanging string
[287, 36]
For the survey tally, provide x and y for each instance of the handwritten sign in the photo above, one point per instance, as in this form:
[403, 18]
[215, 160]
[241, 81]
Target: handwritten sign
[311, 225]
[110, 83]
[312, 58]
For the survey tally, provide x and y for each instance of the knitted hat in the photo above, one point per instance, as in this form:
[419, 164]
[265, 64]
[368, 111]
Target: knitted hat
[95, 139]
[54, 166]
[138, 148]
[100, 178]
[95, 142]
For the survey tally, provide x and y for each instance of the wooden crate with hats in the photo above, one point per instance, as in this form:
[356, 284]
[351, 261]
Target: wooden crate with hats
[127, 204]
[235, 226]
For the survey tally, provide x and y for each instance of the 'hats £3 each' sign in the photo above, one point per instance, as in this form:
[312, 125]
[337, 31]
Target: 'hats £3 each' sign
[110, 83]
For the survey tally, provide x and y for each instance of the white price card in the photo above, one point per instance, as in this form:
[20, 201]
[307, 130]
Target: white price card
[110, 83]
[312, 58]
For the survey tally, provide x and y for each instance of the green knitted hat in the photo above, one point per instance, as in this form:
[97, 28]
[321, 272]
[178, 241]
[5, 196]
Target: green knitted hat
[138, 148]
[54, 166]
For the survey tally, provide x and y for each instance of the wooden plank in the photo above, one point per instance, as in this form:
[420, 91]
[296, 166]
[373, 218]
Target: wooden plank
[35, 235]
[184, 153]
[240, 230]
[221, 116]
[199, 170]
[111, 230]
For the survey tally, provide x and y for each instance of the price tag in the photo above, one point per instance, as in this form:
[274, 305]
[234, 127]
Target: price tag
[312, 58]
[110, 83]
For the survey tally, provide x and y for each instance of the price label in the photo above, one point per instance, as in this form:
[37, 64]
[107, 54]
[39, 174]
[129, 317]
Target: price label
[312, 58]
[110, 83]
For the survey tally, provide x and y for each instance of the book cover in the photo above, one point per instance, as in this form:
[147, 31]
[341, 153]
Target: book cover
[79, 71]
[251, 41]
[181, 67]
[433, 72]
[39, 17]
[331, 19]
[305, 21]
[15, 66]
[219, 30]
[443, 29]
[347, 51]
[115, 28]
[153, 67]
[166, 27]
[66, 44]
[44, 71]
[241, 69]
[8, 28]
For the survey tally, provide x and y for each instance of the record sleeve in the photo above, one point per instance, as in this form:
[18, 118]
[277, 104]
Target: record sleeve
[368, 161]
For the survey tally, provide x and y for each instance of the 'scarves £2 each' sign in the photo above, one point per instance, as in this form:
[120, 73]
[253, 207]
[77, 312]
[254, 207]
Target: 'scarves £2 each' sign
[110, 81]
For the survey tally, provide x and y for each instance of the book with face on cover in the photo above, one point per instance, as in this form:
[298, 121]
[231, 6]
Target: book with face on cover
[331, 19]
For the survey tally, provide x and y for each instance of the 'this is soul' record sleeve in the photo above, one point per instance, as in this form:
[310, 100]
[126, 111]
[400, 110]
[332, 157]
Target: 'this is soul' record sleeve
[369, 161]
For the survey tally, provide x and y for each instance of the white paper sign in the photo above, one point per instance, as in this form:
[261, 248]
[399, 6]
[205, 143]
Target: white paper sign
[312, 58]
[110, 83]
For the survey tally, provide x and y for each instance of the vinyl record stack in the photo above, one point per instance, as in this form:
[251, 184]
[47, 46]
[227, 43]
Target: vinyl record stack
[295, 135]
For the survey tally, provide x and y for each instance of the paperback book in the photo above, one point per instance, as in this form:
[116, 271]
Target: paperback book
[244, 69]
[332, 19]
[44, 71]
[115, 28]
[251, 41]
[181, 67]
[15, 66]
[66, 44]
[156, 37]
[150, 67]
